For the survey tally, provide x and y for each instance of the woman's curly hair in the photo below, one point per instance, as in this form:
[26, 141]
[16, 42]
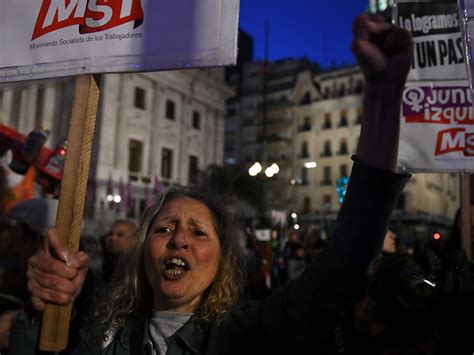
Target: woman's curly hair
[129, 296]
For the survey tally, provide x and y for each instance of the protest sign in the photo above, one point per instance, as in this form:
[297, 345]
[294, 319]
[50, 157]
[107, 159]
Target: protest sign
[438, 49]
[437, 127]
[50, 38]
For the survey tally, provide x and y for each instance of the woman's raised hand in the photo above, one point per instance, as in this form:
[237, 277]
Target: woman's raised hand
[54, 274]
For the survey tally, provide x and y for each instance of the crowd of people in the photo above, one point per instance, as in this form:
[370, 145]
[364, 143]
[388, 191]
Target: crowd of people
[188, 280]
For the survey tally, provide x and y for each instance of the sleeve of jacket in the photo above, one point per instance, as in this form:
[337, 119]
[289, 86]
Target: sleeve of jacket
[337, 277]
[23, 336]
[24, 339]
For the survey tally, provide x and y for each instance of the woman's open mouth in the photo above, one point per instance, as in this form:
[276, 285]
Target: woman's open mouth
[175, 267]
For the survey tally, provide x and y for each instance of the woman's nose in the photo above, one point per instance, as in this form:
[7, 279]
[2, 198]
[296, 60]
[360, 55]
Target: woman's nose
[179, 239]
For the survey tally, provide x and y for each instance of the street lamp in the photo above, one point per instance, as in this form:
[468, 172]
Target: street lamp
[270, 171]
[310, 164]
[113, 198]
[255, 169]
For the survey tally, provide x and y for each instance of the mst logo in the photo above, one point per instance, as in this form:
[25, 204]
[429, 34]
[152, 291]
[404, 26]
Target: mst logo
[90, 15]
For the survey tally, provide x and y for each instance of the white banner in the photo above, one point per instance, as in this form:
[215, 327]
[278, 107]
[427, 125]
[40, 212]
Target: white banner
[438, 48]
[437, 123]
[437, 130]
[40, 39]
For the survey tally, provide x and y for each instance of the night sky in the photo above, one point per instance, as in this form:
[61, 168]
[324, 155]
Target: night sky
[319, 29]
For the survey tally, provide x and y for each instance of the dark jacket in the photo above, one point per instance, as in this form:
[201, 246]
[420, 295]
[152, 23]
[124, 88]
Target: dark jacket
[302, 318]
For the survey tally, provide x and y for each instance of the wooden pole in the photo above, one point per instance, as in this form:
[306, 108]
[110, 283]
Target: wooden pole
[466, 215]
[55, 326]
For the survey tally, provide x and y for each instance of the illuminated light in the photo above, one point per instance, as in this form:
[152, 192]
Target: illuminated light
[110, 198]
[275, 168]
[292, 181]
[255, 169]
[341, 187]
[272, 170]
[269, 172]
[296, 226]
[117, 199]
[432, 284]
[310, 164]
[437, 236]
[294, 215]
[62, 152]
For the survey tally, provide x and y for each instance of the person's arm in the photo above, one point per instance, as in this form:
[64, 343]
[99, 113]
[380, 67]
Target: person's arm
[384, 54]
[336, 278]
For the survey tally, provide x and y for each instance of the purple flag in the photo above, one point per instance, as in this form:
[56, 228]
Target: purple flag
[159, 188]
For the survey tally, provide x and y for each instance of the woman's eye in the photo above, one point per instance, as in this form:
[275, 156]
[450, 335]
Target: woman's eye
[199, 233]
[163, 230]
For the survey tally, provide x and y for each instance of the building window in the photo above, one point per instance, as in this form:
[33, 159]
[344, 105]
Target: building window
[304, 153]
[304, 176]
[170, 110]
[342, 90]
[326, 176]
[327, 149]
[140, 96]
[135, 151]
[306, 126]
[343, 121]
[359, 87]
[343, 147]
[327, 121]
[193, 170]
[39, 107]
[306, 207]
[327, 93]
[327, 201]
[343, 170]
[306, 99]
[166, 163]
[196, 120]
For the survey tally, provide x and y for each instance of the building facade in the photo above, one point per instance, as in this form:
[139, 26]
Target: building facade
[312, 130]
[153, 130]
[327, 133]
